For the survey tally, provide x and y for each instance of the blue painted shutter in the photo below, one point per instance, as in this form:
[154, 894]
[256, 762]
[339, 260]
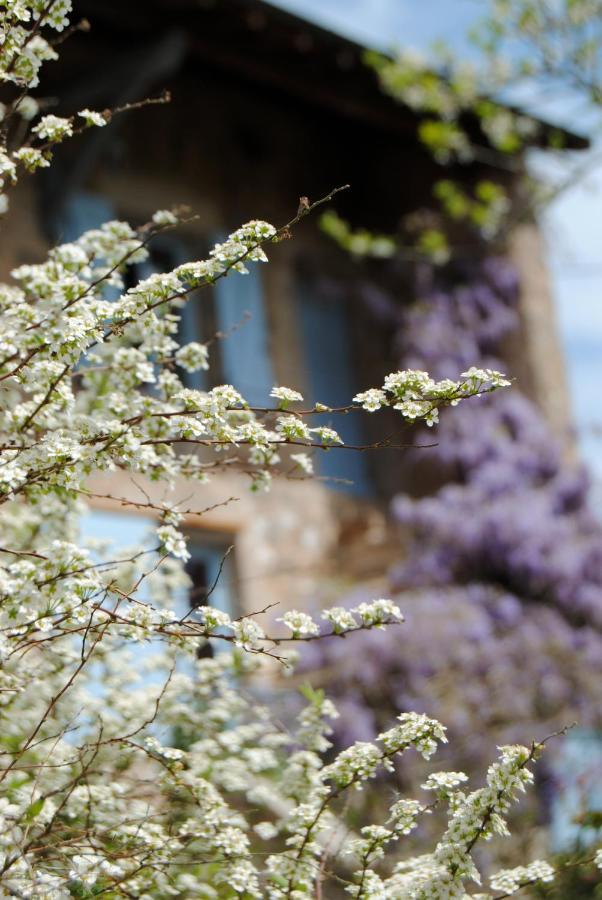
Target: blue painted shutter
[246, 361]
[327, 343]
[173, 252]
[81, 212]
[188, 332]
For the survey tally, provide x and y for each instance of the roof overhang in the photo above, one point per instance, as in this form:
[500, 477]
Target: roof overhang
[269, 46]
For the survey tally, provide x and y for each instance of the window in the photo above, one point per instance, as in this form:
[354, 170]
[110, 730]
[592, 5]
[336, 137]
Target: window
[166, 252]
[121, 535]
[209, 567]
[210, 570]
[327, 341]
[81, 212]
[245, 351]
[234, 307]
[577, 775]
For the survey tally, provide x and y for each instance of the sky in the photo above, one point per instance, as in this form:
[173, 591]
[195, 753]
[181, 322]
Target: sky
[572, 225]
[383, 22]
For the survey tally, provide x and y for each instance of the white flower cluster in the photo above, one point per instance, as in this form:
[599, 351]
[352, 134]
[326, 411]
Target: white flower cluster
[326, 435]
[92, 118]
[53, 128]
[286, 395]
[341, 619]
[303, 462]
[247, 633]
[173, 542]
[25, 48]
[373, 845]
[404, 815]
[378, 612]
[49, 130]
[473, 817]
[415, 730]
[31, 158]
[294, 429]
[362, 760]
[444, 782]
[417, 396]
[165, 217]
[193, 356]
[511, 880]
[299, 623]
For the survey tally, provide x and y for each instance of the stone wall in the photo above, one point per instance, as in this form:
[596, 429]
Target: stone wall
[231, 152]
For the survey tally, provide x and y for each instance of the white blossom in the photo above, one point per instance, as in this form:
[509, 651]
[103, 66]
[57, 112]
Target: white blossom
[248, 634]
[511, 880]
[299, 623]
[293, 428]
[444, 781]
[173, 541]
[372, 399]
[92, 117]
[31, 158]
[193, 356]
[165, 217]
[341, 619]
[53, 128]
[326, 435]
[378, 612]
[486, 376]
[266, 830]
[287, 395]
[304, 462]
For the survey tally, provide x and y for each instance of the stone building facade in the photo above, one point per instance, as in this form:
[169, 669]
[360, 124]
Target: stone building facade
[265, 108]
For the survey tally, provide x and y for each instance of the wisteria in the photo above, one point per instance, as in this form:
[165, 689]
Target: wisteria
[501, 579]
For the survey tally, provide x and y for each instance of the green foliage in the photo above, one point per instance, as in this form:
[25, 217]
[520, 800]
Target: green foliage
[445, 140]
[359, 243]
[549, 44]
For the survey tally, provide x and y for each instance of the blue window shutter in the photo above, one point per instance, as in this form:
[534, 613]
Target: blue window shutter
[168, 252]
[189, 332]
[81, 212]
[327, 342]
[246, 361]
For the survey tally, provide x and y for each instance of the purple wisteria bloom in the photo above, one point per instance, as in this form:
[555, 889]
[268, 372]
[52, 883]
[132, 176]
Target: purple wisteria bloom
[500, 579]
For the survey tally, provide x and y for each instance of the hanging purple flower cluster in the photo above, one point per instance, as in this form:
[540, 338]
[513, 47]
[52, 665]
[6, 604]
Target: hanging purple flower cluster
[501, 580]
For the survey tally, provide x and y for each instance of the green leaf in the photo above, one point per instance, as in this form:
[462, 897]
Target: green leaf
[35, 808]
[312, 695]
